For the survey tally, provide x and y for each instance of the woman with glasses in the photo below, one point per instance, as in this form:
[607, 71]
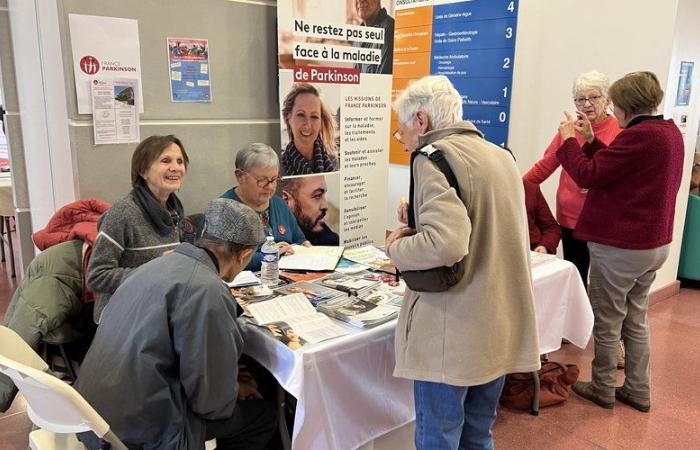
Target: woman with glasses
[628, 222]
[311, 131]
[257, 174]
[590, 93]
[144, 224]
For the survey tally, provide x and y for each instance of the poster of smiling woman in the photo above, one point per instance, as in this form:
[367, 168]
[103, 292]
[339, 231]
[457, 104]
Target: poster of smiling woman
[335, 66]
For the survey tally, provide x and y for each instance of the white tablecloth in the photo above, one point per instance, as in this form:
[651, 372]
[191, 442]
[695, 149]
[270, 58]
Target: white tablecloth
[346, 394]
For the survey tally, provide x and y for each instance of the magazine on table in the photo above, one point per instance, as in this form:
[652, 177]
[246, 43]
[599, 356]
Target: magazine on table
[317, 258]
[372, 257]
[293, 277]
[352, 284]
[249, 294]
[386, 294]
[358, 312]
[315, 293]
[298, 314]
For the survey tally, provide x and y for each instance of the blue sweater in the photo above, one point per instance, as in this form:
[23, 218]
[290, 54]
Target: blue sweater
[283, 223]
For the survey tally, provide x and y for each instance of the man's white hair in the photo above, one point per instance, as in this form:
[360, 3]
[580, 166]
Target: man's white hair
[433, 94]
[591, 80]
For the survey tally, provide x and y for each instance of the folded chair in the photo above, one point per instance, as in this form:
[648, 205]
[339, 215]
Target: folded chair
[52, 405]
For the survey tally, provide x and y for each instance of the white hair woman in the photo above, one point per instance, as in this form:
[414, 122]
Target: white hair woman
[590, 95]
[446, 341]
[257, 174]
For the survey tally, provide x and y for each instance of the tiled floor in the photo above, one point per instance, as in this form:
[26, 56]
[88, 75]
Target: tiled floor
[578, 424]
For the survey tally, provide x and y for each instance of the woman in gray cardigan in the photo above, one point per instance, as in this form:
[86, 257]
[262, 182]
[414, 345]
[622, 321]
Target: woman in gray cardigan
[145, 223]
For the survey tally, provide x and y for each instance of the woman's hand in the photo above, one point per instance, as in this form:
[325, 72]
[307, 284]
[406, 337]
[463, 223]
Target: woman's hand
[583, 126]
[402, 211]
[541, 249]
[398, 234]
[567, 127]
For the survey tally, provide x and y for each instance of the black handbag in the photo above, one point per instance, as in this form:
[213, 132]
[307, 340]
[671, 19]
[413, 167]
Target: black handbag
[437, 279]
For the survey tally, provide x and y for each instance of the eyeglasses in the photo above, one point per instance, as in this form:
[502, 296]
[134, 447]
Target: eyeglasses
[263, 182]
[397, 136]
[593, 99]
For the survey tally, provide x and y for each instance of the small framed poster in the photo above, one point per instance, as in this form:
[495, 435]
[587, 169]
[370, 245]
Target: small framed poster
[685, 81]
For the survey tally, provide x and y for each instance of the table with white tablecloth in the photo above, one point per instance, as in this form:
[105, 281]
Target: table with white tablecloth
[346, 393]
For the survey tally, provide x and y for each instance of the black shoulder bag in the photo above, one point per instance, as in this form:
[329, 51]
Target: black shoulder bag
[437, 279]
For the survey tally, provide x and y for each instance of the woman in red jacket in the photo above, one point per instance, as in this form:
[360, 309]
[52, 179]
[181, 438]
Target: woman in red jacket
[628, 222]
[545, 232]
[590, 93]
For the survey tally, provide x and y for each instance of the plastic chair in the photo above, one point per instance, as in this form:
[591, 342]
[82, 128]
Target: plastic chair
[54, 406]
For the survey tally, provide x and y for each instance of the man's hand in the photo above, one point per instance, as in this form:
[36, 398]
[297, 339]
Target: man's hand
[285, 248]
[306, 244]
[398, 234]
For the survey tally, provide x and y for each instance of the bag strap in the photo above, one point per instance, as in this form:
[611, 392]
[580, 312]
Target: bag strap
[438, 158]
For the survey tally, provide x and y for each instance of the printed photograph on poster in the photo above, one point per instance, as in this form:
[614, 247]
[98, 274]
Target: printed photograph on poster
[190, 72]
[104, 48]
[315, 202]
[310, 134]
[115, 116]
[685, 83]
[356, 34]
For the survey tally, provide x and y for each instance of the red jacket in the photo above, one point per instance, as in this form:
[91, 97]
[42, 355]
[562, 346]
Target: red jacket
[77, 220]
[632, 184]
[544, 229]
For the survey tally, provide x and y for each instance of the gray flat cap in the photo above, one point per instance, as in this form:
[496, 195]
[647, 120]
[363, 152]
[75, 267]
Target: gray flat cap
[232, 221]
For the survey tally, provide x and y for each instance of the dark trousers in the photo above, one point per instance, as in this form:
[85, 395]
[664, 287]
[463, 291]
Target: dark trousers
[251, 427]
[576, 251]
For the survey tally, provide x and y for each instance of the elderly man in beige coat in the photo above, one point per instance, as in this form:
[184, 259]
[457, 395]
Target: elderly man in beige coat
[459, 344]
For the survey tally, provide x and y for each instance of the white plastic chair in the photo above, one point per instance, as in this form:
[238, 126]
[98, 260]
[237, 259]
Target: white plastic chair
[54, 406]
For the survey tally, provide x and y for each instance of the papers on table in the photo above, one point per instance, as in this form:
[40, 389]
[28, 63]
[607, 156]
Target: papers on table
[243, 279]
[371, 257]
[297, 312]
[317, 258]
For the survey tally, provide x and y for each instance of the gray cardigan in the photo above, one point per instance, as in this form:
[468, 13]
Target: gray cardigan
[126, 240]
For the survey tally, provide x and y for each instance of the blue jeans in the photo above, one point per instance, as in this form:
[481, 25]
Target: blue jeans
[455, 417]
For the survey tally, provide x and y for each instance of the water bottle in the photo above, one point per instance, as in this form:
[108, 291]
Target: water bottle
[269, 272]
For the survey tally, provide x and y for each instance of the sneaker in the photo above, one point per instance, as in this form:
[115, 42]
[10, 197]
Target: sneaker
[621, 356]
[586, 390]
[640, 404]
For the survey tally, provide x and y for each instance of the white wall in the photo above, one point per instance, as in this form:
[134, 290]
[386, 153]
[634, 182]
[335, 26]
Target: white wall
[686, 47]
[556, 41]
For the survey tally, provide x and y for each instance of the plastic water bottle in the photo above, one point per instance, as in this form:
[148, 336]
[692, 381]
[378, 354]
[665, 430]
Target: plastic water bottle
[270, 273]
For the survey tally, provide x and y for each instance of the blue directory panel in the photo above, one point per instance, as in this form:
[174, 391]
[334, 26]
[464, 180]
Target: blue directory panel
[475, 10]
[473, 44]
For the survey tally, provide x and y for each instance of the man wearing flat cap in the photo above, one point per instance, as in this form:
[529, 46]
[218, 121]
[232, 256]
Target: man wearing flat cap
[162, 369]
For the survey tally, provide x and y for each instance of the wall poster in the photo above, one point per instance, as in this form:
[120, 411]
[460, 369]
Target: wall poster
[335, 65]
[106, 48]
[188, 64]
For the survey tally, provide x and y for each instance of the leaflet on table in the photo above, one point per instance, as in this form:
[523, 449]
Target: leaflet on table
[324, 49]
[313, 292]
[188, 64]
[115, 113]
[371, 257]
[243, 279]
[316, 258]
[300, 314]
[358, 312]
